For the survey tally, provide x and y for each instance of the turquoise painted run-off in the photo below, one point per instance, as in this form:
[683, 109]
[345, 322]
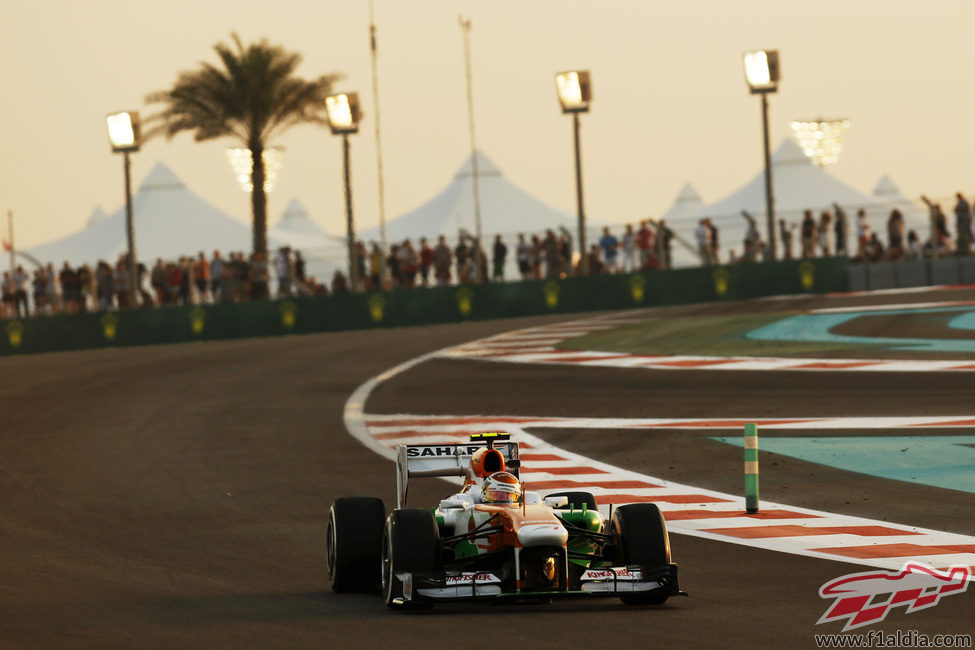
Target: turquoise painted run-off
[939, 461]
[816, 328]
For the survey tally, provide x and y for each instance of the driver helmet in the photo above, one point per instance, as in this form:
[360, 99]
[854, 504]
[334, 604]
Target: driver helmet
[501, 488]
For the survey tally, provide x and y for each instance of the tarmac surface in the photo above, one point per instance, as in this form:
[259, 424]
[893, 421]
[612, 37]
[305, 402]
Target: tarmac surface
[176, 496]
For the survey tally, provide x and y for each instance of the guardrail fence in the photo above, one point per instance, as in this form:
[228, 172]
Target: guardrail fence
[419, 306]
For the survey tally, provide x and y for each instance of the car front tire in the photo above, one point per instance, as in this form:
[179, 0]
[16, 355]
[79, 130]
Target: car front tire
[353, 543]
[640, 534]
[411, 543]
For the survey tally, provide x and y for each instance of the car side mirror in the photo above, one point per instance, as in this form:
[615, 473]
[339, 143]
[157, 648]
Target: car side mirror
[557, 502]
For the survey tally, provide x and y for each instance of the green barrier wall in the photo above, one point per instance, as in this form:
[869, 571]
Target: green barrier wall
[420, 306]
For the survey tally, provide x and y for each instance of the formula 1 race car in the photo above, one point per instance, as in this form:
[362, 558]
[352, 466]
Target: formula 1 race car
[493, 540]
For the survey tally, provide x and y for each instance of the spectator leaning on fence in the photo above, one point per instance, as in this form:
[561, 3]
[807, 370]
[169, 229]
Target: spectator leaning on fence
[523, 253]
[630, 263]
[21, 284]
[426, 261]
[663, 245]
[895, 235]
[823, 232]
[703, 235]
[462, 256]
[375, 267]
[786, 233]
[552, 256]
[807, 234]
[645, 243]
[498, 259]
[282, 269]
[840, 229]
[7, 308]
[216, 276]
[610, 245]
[863, 233]
[39, 286]
[913, 246]
[442, 258]
[963, 225]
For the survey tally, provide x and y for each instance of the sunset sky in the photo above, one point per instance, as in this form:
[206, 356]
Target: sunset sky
[670, 101]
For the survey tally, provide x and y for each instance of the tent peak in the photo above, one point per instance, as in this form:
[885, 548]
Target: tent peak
[98, 214]
[485, 167]
[161, 177]
[688, 194]
[886, 187]
[295, 210]
[790, 153]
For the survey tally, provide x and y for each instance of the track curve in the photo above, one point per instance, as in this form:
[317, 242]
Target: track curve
[175, 496]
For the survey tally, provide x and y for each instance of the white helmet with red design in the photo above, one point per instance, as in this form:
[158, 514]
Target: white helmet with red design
[501, 488]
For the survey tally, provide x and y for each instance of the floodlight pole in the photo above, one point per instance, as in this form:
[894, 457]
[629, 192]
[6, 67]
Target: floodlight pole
[465, 26]
[130, 230]
[10, 231]
[349, 222]
[584, 252]
[769, 199]
[383, 271]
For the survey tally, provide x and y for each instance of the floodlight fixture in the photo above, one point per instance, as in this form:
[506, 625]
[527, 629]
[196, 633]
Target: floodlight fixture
[242, 162]
[574, 90]
[124, 131]
[343, 112]
[762, 70]
[821, 140]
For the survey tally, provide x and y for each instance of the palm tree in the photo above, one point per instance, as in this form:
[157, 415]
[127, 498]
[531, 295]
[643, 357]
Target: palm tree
[252, 97]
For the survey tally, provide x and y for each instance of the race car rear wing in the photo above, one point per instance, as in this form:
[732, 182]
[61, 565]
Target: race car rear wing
[431, 460]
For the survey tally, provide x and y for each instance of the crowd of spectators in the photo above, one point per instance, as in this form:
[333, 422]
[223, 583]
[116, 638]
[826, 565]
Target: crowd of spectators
[184, 281]
[643, 246]
[538, 256]
[829, 234]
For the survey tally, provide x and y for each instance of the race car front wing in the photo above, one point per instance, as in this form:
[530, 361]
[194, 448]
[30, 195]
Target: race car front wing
[608, 581]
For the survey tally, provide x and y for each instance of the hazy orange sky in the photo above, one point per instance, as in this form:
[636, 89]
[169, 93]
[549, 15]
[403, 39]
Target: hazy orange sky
[670, 101]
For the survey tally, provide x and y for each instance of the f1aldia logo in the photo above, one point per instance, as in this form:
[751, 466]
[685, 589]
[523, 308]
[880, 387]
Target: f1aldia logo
[866, 598]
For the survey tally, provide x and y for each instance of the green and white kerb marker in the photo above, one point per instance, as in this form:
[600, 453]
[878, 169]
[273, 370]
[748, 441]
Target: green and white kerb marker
[751, 468]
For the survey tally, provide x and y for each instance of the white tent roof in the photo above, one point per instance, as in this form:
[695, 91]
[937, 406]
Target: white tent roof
[886, 190]
[168, 219]
[323, 252]
[687, 205]
[98, 214]
[297, 224]
[798, 185]
[915, 215]
[505, 209]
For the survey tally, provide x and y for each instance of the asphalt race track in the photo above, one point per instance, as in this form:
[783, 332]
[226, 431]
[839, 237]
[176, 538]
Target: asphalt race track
[176, 496]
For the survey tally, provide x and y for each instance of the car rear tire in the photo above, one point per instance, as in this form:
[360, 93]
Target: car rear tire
[353, 543]
[577, 499]
[411, 543]
[640, 535]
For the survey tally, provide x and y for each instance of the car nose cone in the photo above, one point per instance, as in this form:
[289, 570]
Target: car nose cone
[543, 535]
